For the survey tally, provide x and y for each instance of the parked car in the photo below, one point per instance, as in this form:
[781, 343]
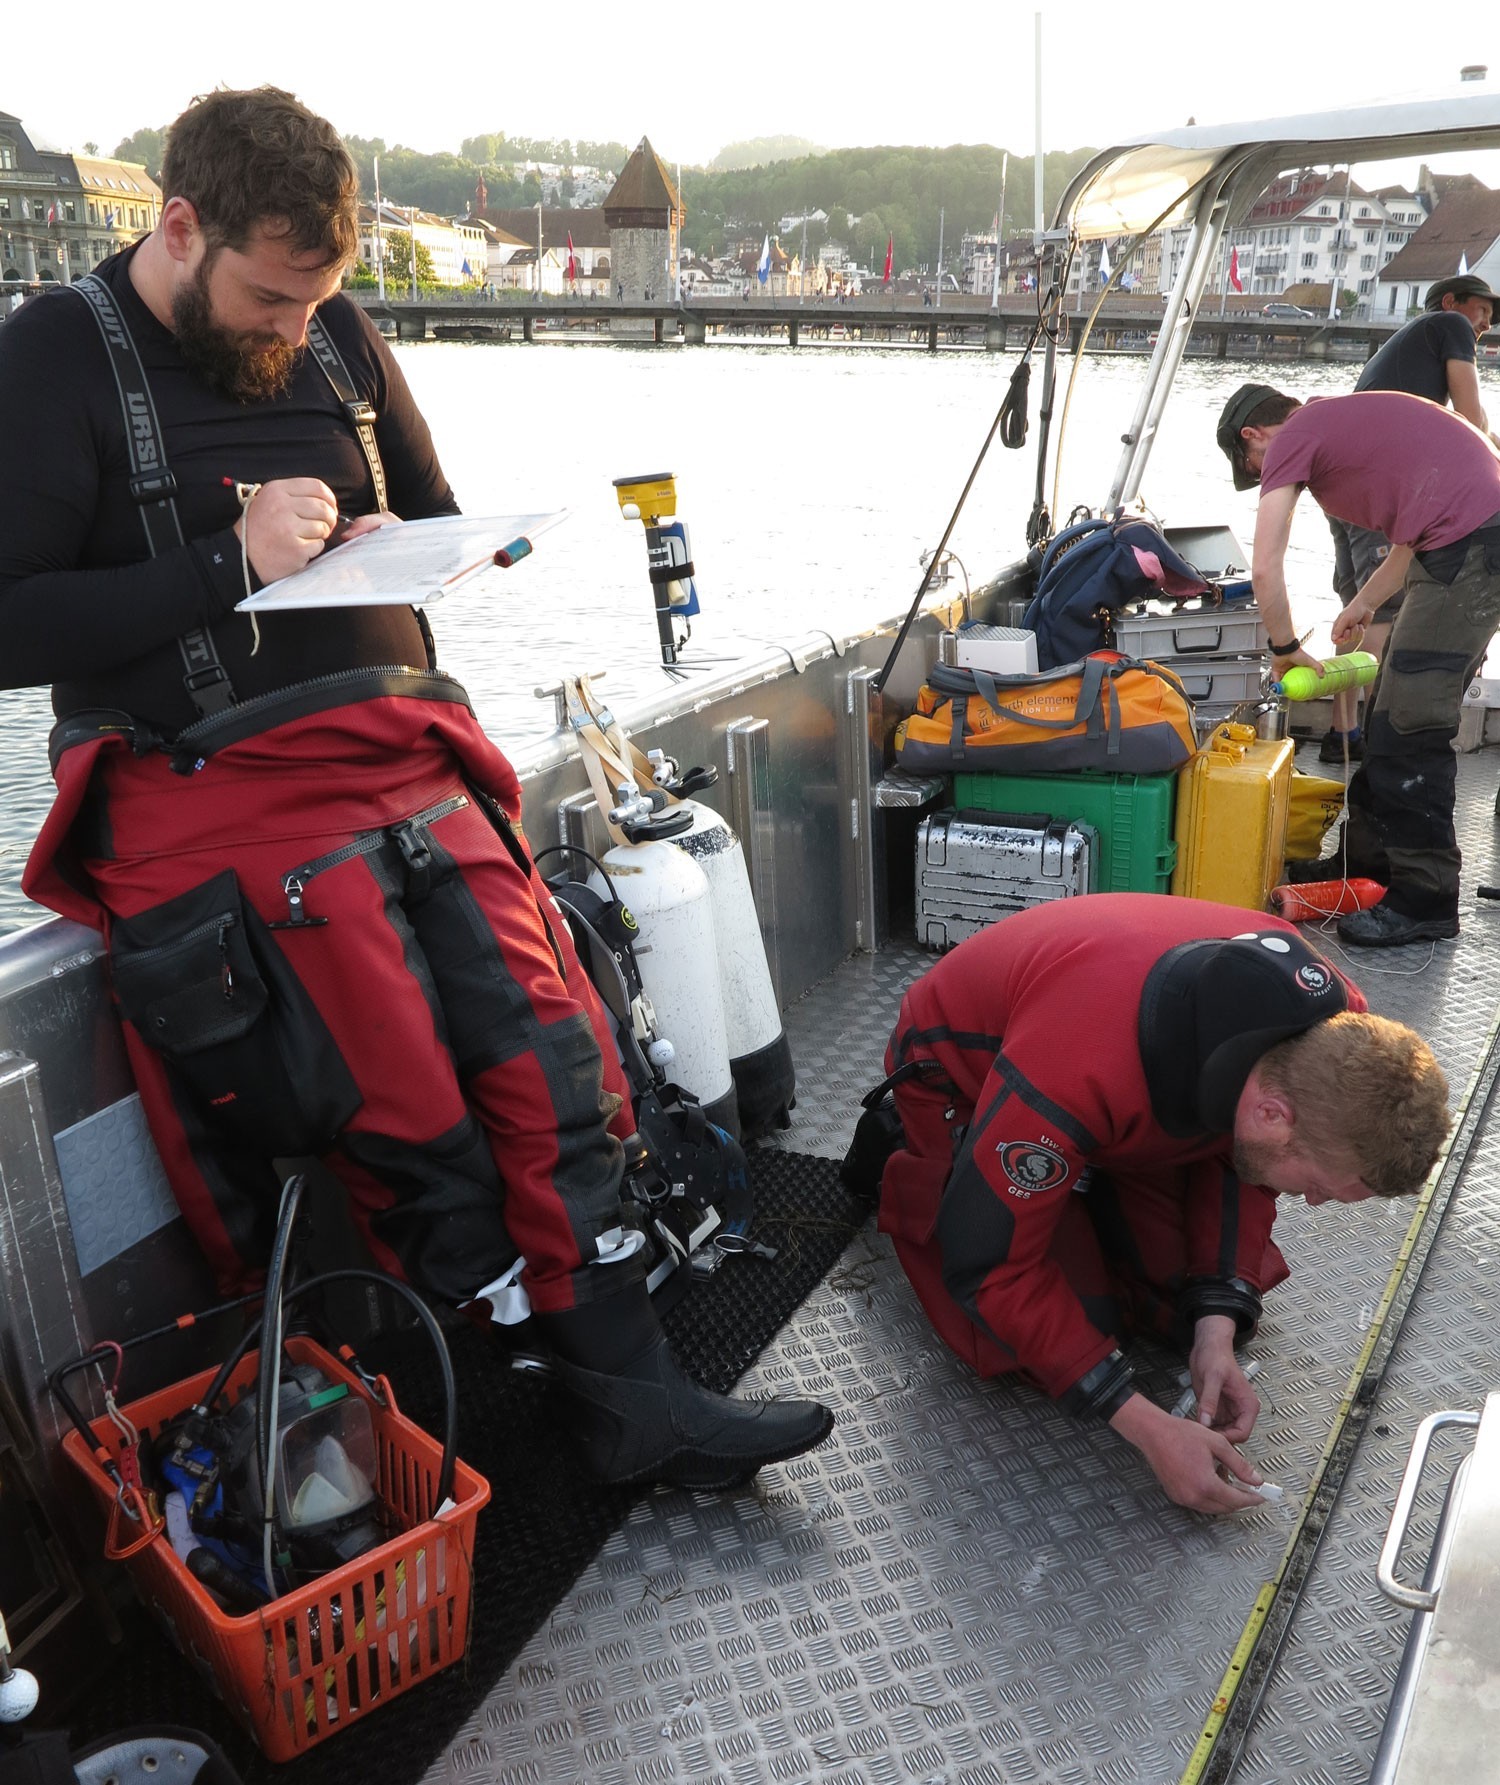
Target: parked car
[1291, 311]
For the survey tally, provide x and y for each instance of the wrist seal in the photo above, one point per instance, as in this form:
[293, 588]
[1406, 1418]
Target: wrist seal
[1103, 1391]
[1232, 1296]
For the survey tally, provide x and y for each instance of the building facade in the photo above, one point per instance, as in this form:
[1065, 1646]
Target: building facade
[61, 214]
[459, 251]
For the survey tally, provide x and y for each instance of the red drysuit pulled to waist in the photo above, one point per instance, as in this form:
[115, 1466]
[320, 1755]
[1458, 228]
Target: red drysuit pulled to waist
[1031, 1035]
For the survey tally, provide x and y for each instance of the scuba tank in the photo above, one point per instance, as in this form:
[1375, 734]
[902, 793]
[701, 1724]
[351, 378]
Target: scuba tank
[646, 800]
[760, 1059]
[677, 949]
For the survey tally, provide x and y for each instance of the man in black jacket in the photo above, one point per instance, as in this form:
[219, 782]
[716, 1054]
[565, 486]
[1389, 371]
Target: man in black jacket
[326, 934]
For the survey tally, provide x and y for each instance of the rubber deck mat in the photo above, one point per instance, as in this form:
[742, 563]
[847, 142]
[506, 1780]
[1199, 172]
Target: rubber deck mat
[546, 1520]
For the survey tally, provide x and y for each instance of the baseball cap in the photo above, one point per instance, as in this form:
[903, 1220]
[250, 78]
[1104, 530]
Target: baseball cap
[1461, 286]
[1236, 412]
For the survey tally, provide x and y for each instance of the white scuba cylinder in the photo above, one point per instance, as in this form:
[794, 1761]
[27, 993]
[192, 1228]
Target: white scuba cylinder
[760, 1058]
[677, 951]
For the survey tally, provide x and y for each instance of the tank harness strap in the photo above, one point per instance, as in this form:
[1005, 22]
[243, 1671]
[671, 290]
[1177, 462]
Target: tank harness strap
[362, 418]
[153, 485]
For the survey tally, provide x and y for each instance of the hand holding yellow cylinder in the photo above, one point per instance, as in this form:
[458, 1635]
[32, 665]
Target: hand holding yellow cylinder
[1354, 670]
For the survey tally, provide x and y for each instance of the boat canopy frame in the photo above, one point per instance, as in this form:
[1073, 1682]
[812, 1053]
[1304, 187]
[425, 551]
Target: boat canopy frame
[1209, 177]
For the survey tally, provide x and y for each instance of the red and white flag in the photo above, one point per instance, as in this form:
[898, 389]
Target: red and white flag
[572, 262]
[890, 248]
[1234, 269]
[52, 213]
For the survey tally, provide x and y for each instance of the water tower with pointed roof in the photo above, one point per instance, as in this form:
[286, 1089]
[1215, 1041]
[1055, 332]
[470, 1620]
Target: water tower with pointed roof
[644, 214]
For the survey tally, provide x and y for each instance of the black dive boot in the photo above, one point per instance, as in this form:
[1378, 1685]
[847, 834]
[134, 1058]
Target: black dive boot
[641, 1419]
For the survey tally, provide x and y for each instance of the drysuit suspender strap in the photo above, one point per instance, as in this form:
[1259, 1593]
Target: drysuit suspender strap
[361, 417]
[361, 414]
[152, 485]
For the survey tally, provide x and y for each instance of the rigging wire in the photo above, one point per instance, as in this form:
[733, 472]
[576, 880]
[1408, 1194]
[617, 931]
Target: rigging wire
[1010, 423]
[1137, 242]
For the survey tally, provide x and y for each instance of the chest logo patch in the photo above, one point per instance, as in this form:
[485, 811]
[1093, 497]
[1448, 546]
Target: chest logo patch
[1030, 1166]
[1314, 978]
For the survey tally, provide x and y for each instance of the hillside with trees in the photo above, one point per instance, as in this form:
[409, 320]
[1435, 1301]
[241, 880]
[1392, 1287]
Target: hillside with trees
[870, 194]
[760, 151]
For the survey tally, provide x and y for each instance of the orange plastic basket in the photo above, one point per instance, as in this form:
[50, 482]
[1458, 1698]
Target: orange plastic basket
[316, 1660]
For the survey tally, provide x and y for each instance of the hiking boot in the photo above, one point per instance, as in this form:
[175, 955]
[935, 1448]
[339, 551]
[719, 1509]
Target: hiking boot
[1331, 749]
[1333, 866]
[1312, 869]
[640, 1419]
[1381, 926]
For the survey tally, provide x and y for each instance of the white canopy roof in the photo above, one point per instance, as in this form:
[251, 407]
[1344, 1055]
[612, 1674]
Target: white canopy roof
[1123, 190]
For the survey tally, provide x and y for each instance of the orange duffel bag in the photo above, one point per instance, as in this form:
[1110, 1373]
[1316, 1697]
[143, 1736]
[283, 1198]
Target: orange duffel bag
[1106, 712]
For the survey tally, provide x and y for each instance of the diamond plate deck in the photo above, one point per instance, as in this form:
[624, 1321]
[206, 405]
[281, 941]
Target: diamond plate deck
[965, 1585]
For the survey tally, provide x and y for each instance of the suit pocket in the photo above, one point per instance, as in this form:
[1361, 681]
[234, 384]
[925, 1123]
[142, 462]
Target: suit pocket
[201, 979]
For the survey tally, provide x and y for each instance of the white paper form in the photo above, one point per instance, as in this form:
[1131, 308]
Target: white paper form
[408, 562]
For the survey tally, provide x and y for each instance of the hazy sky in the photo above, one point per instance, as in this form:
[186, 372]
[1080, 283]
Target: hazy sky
[695, 78]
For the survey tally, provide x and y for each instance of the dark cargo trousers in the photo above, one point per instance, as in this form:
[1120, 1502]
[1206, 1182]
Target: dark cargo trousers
[1401, 798]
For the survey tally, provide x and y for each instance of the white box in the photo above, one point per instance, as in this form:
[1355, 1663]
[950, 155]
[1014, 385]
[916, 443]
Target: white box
[1002, 650]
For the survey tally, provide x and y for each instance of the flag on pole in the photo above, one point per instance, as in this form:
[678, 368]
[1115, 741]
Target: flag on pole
[467, 273]
[1104, 268]
[1234, 269]
[52, 213]
[572, 260]
[763, 265]
[109, 219]
[890, 249]
[1463, 259]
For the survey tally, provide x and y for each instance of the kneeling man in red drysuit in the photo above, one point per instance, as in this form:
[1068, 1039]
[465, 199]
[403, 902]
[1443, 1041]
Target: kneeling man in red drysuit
[1101, 1100]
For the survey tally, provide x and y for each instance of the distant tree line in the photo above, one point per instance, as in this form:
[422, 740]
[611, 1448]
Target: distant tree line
[888, 192]
[871, 195]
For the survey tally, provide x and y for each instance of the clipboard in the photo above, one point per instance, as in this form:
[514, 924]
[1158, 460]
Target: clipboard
[410, 563]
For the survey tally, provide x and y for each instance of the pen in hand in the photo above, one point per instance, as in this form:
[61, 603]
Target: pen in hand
[244, 493]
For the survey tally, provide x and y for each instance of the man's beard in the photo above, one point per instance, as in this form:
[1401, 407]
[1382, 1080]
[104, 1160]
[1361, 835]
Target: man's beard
[237, 366]
[1257, 1160]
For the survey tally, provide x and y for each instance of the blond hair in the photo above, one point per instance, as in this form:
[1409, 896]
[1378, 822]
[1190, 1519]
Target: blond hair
[1367, 1090]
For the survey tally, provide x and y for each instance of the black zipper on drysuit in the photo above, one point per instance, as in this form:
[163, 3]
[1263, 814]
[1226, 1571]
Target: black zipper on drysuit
[414, 852]
[220, 926]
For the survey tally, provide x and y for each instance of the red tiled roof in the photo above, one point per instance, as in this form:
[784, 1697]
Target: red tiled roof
[588, 227]
[1466, 224]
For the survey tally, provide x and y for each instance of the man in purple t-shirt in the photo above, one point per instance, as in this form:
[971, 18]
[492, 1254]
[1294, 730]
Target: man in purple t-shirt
[1431, 483]
[1431, 356]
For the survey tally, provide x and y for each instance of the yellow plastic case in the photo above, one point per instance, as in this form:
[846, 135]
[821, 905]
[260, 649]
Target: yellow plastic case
[1233, 798]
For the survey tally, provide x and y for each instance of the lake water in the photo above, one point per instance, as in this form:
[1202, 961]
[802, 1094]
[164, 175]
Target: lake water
[811, 482]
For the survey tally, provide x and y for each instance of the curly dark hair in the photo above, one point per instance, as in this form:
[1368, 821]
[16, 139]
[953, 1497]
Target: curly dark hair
[261, 159]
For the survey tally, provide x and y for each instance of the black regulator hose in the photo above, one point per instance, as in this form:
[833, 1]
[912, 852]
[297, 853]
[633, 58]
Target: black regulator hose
[250, 1337]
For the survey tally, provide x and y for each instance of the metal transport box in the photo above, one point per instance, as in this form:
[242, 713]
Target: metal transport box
[1131, 814]
[1217, 681]
[975, 867]
[1197, 629]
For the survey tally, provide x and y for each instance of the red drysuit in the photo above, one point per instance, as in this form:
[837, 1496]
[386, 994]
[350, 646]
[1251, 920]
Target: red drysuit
[426, 1007]
[1096, 1045]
